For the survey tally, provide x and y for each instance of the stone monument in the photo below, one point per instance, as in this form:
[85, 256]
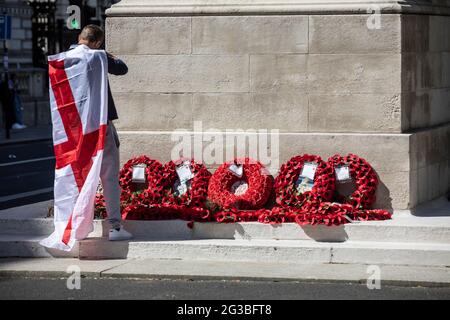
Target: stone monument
[333, 76]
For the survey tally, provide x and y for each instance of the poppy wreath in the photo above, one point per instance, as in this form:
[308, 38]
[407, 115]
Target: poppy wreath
[165, 211]
[271, 216]
[197, 193]
[367, 215]
[255, 178]
[277, 215]
[236, 215]
[364, 177]
[285, 183]
[140, 211]
[153, 190]
[311, 213]
[100, 206]
[324, 213]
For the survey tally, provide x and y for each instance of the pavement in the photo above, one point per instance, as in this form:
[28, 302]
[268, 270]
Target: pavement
[28, 211]
[31, 133]
[175, 259]
[147, 268]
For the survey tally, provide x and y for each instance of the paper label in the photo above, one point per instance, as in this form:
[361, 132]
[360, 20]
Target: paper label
[138, 175]
[184, 172]
[239, 188]
[237, 169]
[304, 184]
[343, 173]
[309, 170]
[180, 188]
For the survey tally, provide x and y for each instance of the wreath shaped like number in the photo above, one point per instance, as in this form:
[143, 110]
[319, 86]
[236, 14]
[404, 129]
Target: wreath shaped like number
[197, 193]
[286, 191]
[157, 200]
[364, 177]
[255, 179]
[153, 191]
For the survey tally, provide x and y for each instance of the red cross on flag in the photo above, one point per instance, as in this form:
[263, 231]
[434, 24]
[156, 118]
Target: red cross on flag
[79, 106]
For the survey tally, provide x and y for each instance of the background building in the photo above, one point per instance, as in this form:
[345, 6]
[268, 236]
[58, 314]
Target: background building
[38, 30]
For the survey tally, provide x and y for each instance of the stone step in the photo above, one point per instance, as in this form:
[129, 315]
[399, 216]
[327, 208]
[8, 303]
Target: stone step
[400, 229]
[289, 251]
[27, 246]
[295, 251]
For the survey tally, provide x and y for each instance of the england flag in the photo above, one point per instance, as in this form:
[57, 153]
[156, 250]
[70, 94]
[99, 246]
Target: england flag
[79, 104]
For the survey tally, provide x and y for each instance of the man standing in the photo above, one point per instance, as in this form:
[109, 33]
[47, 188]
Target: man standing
[17, 102]
[7, 101]
[93, 37]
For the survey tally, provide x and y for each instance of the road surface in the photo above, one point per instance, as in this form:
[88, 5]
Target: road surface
[26, 172]
[107, 288]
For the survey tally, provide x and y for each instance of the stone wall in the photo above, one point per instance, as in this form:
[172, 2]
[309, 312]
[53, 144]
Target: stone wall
[20, 44]
[275, 65]
[426, 70]
[323, 78]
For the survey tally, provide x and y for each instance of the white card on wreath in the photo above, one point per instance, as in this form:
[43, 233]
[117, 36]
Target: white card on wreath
[342, 173]
[304, 184]
[138, 174]
[184, 172]
[309, 170]
[237, 169]
[181, 188]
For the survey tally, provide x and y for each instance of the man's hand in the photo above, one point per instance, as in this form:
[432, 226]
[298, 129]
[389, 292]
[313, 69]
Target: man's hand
[110, 55]
[115, 65]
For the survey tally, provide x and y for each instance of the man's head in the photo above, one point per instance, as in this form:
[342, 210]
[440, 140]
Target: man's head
[92, 36]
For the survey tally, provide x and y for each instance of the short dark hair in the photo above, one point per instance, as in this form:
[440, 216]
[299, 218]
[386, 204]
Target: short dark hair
[92, 33]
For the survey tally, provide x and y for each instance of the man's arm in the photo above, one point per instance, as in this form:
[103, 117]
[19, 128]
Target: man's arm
[116, 66]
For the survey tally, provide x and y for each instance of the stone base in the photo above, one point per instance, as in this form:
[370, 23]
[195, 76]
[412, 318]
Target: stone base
[333, 76]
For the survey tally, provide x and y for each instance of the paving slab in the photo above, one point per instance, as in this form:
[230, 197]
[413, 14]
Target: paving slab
[29, 211]
[54, 266]
[225, 270]
[149, 268]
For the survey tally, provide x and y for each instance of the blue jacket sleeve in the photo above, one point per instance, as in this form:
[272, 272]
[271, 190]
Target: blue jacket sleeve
[116, 66]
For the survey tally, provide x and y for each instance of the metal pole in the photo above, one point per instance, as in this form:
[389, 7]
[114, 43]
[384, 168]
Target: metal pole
[35, 112]
[5, 64]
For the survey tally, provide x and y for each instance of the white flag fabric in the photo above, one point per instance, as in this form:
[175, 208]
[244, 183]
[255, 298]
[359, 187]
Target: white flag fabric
[79, 107]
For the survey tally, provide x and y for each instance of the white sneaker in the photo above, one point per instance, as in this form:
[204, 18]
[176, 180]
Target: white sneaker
[16, 126]
[118, 235]
[22, 126]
